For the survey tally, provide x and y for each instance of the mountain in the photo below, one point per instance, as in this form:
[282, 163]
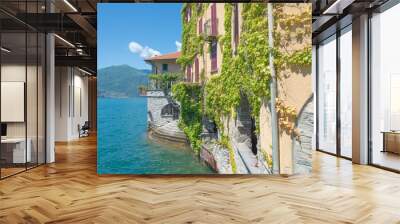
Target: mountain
[121, 81]
[146, 71]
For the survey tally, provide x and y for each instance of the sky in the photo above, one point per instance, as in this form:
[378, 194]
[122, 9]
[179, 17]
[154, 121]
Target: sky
[127, 33]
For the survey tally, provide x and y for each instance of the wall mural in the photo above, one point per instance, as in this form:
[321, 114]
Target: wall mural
[188, 89]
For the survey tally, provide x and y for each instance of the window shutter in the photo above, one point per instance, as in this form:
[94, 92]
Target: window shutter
[214, 30]
[188, 73]
[196, 70]
[188, 14]
[236, 25]
[201, 25]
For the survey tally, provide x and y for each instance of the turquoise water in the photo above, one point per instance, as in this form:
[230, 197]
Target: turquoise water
[123, 146]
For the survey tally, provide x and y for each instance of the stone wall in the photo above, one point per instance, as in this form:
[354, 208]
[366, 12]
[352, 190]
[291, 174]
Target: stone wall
[239, 130]
[156, 100]
[216, 157]
[302, 148]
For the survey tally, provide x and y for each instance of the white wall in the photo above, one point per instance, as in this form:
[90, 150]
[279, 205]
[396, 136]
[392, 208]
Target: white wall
[62, 82]
[12, 73]
[71, 87]
[34, 125]
[79, 115]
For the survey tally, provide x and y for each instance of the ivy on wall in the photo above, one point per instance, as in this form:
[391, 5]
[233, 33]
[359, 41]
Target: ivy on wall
[287, 118]
[300, 57]
[244, 74]
[224, 142]
[293, 30]
[192, 44]
[190, 97]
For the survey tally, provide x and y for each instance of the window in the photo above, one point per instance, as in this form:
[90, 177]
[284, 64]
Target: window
[154, 69]
[327, 95]
[385, 89]
[334, 100]
[165, 67]
[22, 77]
[213, 55]
[188, 13]
[199, 7]
[346, 74]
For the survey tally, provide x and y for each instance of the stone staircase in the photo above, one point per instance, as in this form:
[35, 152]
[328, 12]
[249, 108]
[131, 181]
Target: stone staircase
[170, 132]
[254, 164]
[240, 136]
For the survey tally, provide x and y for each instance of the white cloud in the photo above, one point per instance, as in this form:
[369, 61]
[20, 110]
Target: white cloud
[144, 52]
[135, 47]
[178, 45]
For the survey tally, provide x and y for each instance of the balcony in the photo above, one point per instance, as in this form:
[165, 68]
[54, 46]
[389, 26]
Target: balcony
[163, 81]
[211, 28]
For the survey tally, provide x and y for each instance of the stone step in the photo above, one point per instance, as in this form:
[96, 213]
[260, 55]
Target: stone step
[249, 159]
[170, 131]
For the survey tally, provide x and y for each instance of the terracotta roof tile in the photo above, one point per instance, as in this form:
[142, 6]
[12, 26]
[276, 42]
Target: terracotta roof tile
[168, 56]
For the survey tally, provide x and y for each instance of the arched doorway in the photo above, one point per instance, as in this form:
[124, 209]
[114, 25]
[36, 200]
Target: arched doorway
[170, 110]
[246, 125]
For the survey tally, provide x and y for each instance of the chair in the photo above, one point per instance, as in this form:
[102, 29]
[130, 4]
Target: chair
[84, 130]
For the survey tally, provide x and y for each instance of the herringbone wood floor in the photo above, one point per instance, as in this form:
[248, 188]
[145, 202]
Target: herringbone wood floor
[70, 191]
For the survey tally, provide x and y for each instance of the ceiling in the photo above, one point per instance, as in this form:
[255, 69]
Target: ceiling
[75, 23]
[332, 15]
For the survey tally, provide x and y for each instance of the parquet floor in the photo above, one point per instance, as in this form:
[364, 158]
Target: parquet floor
[70, 191]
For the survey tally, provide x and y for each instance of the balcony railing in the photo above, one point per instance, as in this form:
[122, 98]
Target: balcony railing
[156, 85]
[211, 28]
[163, 81]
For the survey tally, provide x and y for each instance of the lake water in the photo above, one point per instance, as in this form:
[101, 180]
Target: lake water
[124, 148]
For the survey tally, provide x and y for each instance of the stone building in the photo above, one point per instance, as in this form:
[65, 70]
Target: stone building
[164, 63]
[294, 89]
[162, 111]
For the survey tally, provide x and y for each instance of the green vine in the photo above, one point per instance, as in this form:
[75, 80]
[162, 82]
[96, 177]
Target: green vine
[192, 44]
[294, 29]
[300, 57]
[142, 90]
[164, 81]
[245, 74]
[287, 118]
[189, 97]
[267, 158]
[224, 142]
